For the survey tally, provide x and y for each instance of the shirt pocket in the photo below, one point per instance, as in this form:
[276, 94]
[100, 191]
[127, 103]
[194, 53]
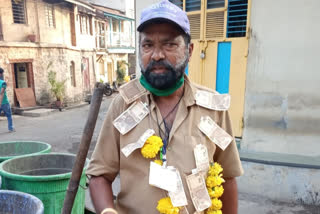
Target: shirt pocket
[188, 160]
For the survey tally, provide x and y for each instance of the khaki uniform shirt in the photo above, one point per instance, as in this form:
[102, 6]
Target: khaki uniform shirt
[136, 195]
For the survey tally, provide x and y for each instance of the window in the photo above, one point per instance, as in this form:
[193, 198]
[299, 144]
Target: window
[179, 3]
[115, 25]
[208, 18]
[49, 11]
[100, 34]
[237, 18]
[215, 4]
[18, 11]
[215, 24]
[193, 5]
[84, 24]
[72, 74]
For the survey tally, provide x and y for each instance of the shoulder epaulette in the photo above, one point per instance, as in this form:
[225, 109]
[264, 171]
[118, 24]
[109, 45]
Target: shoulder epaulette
[212, 100]
[132, 91]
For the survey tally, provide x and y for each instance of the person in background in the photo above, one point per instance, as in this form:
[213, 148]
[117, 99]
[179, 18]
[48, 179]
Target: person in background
[4, 102]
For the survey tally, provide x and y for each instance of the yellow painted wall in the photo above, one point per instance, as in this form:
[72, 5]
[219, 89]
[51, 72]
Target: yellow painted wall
[238, 68]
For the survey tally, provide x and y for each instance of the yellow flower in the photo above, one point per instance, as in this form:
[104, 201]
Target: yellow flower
[216, 205]
[215, 169]
[151, 147]
[127, 78]
[165, 206]
[159, 162]
[213, 181]
[214, 212]
[217, 192]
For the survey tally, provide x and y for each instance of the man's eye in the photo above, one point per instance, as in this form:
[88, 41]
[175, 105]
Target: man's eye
[170, 45]
[146, 45]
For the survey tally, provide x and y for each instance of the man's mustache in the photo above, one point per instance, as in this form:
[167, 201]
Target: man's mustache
[162, 63]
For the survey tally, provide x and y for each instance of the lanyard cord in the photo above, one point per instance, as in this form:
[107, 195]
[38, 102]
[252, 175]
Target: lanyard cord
[166, 134]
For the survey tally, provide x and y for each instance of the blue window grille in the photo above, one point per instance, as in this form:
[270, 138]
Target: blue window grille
[215, 3]
[179, 3]
[193, 5]
[237, 18]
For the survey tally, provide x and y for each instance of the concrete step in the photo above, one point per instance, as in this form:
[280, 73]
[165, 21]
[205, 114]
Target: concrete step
[38, 112]
[281, 177]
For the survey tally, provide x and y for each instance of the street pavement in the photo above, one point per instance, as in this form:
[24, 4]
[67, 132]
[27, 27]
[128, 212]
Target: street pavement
[63, 130]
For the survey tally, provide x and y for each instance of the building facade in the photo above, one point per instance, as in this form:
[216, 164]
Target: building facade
[115, 39]
[36, 34]
[83, 42]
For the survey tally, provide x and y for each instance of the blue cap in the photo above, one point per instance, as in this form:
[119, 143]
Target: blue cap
[167, 11]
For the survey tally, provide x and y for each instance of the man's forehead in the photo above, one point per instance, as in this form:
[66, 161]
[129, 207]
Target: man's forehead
[164, 30]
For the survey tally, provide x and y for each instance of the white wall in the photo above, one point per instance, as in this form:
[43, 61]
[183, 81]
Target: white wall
[282, 107]
[130, 8]
[114, 4]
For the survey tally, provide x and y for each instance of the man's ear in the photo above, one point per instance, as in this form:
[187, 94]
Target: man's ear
[190, 50]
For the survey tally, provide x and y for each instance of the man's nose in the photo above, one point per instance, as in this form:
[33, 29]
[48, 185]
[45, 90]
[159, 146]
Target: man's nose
[158, 54]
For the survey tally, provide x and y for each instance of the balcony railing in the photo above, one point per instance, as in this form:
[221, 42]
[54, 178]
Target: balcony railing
[120, 39]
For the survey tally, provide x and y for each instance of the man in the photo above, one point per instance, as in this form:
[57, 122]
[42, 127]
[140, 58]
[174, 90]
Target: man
[165, 49]
[4, 102]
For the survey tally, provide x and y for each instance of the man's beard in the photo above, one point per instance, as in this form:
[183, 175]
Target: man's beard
[168, 78]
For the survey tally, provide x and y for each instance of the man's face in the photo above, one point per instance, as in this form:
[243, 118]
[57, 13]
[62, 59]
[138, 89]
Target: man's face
[163, 55]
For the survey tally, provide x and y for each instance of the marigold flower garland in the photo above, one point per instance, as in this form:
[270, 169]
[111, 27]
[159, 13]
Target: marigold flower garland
[151, 147]
[214, 180]
[214, 183]
[165, 206]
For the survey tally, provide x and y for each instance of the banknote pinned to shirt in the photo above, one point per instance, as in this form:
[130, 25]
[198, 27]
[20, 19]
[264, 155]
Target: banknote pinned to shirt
[198, 191]
[202, 158]
[131, 91]
[128, 149]
[178, 198]
[214, 132]
[131, 117]
[213, 101]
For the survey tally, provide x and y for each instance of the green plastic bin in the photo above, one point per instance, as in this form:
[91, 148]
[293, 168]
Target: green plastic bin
[9, 150]
[45, 176]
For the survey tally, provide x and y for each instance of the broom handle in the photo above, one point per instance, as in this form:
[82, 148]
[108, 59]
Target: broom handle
[83, 149]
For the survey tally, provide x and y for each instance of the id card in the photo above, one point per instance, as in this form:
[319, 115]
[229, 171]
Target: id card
[219, 102]
[163, 178]
[128, 149]
[198, 192]
[132, 91]
[214, 132]
[131, 117]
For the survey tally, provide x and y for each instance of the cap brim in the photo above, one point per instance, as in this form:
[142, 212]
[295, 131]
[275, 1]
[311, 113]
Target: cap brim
[160, 20]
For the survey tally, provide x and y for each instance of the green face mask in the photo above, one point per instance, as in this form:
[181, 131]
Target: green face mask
[158, 92]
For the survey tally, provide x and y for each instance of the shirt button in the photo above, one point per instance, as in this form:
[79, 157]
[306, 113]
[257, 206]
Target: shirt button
[169, 148]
